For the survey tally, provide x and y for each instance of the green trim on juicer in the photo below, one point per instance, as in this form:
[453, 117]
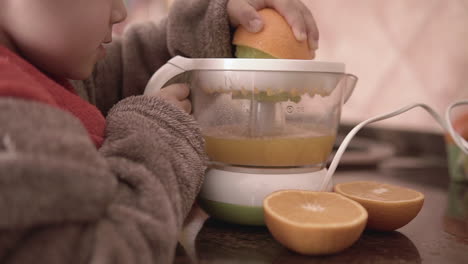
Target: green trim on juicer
[232, 213]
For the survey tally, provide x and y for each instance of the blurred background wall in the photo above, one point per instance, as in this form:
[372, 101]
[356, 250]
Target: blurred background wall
[403, 51]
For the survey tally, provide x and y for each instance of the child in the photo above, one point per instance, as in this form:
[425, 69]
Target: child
[78, 187]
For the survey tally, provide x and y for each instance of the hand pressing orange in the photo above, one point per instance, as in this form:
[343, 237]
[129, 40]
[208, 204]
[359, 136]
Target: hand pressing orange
[298, 16]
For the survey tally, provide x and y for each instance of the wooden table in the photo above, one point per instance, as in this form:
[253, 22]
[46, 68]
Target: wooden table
[439, 234]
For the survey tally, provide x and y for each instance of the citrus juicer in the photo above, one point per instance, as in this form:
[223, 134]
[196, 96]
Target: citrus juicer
[268, 124]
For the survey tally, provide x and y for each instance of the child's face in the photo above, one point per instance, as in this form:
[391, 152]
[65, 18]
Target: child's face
[62, 37]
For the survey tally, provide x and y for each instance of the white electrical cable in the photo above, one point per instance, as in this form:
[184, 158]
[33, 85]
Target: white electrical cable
[446, 125]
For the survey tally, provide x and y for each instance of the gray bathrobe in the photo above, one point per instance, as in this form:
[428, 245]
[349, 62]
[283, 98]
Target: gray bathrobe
[68, 202]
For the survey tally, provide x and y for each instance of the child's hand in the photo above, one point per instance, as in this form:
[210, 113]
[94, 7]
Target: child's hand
[176, 94]
[243, 12]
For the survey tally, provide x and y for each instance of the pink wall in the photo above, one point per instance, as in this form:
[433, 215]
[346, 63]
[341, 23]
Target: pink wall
[403, 51]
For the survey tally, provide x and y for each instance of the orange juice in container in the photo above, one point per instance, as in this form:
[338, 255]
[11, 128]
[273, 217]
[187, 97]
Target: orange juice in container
[457, 159]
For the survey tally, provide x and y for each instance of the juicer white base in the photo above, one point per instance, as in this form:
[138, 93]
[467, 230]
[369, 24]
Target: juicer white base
[249, 189]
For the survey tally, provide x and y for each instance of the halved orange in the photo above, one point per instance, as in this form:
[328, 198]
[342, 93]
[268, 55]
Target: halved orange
[389, 206]
[275, 39]
[314, 223]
